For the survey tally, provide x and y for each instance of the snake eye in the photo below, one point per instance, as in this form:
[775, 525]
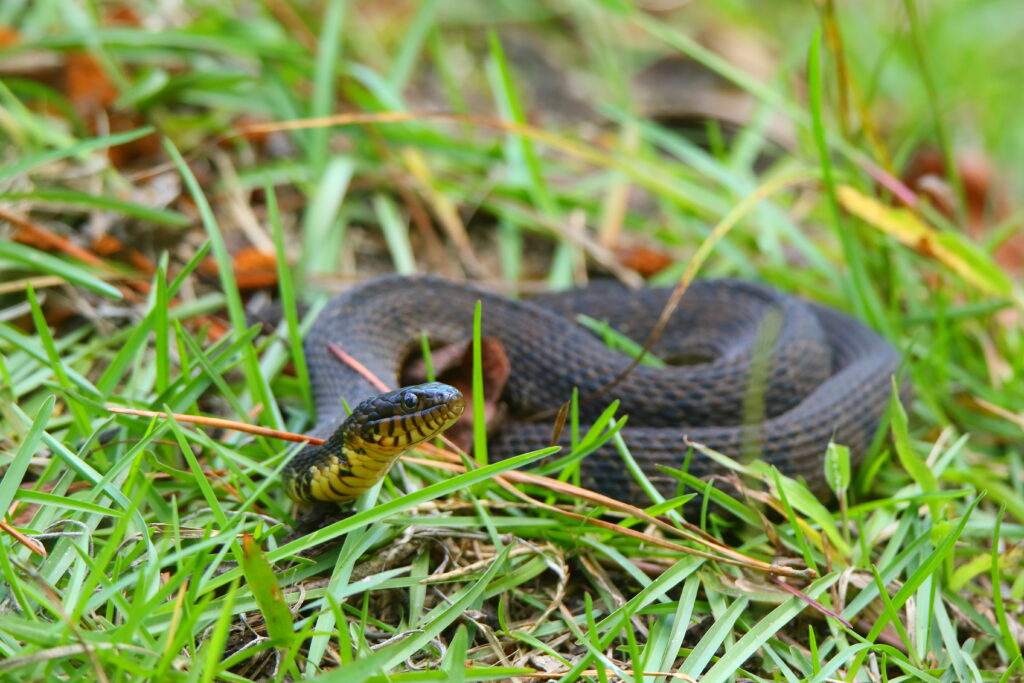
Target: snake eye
[410, 401]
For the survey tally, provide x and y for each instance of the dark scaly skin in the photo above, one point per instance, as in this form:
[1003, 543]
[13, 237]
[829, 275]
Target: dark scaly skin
[780, 396]
[362, 450]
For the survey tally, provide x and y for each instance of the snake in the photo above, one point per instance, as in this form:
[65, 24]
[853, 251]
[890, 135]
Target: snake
[749, 371]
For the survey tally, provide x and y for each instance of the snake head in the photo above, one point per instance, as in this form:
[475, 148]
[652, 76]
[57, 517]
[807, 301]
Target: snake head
[364, 447]
[398, 420]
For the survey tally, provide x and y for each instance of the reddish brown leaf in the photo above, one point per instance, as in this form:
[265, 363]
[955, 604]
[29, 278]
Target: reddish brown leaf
[8, 37]
[111, 247]
[453, 364]
[255, 268]
[985, 196]
[144, 151]
[121, 15]
[644, 260]
[87, 85]
[106, 245]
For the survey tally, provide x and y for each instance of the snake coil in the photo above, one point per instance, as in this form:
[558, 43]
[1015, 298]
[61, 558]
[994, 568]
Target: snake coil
[753, 372]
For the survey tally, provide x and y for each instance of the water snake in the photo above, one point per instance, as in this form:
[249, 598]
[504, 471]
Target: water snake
[753, 372]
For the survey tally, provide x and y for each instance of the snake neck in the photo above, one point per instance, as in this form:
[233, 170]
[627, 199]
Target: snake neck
[339, 469]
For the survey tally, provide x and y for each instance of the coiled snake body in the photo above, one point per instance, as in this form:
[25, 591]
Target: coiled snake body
[758, 373]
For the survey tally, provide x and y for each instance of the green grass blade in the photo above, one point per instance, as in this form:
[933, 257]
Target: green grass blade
[15, 473]
[63, 196]
[41, 262]
[83, 147]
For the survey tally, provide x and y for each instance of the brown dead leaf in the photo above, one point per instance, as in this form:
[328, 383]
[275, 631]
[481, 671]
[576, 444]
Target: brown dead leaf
[106, 245]
[87, 86]
[644, 260]
[121, 15]
[453, 364]
[93, 94]
[216, 328]
[986, 197]
[138, 153]
[8, 37]
[111, 247]
[926, 174]
[253, 268]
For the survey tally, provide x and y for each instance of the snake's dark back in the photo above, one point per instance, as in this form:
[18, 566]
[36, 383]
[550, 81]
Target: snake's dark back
[762, 374]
